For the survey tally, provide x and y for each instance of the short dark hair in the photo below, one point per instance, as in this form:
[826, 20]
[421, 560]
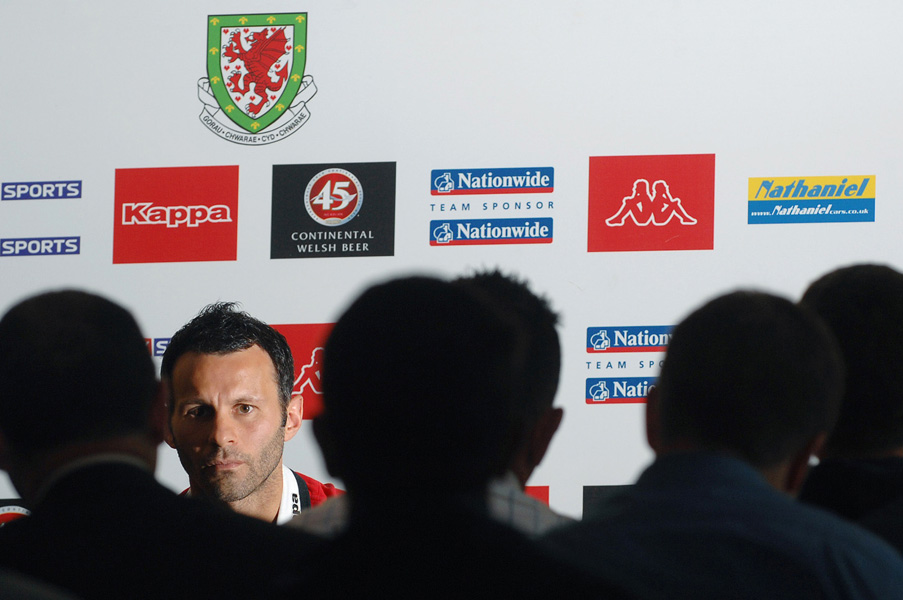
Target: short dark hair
[751, 374]
[74, 367]
[863, 307]
[419, 382]
[536, 317]
[220, 328]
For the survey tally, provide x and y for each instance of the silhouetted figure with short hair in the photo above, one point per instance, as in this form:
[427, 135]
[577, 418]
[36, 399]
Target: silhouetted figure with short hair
[750, 387]
[534, 420]
[861, 468]
[81, 417]
[420, 379]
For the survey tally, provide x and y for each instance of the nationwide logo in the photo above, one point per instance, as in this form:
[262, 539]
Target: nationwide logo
[306, 342]
[41, 190]
[256, 91]
[651, 203]
[618, 390]
[45, 246]
[319, 210]
[175, 214]
[628, 339]
[529, 180]
[157, 346]
[826, 199]
[470, 232]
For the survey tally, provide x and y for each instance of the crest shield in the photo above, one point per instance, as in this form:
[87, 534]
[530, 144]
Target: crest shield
[255, 65]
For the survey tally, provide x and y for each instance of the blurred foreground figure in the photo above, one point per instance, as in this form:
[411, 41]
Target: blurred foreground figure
[533, 423]
[860, 476]
[749, 390]
[420, 379]
[81, 416]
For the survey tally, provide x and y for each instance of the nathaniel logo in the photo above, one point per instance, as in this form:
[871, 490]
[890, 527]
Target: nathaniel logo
[320, 210]
[530, 180]
[40, 246]
[832, 199]
[494, 231]
[42, 190]
[618, 390]
[157, 346]
[175, 214]
[627, 339]
[651, 202]
[255, 91]
[306, 342]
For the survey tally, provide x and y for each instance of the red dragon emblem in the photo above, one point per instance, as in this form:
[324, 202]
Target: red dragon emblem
[256, 73]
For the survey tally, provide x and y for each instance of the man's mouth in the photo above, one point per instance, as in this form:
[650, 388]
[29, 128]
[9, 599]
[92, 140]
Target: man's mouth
[222, 464]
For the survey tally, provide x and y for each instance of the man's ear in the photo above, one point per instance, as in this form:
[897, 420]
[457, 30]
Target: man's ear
[159, 416]
[653, 420]
[798, 466]
[542, 434]
[293, 415]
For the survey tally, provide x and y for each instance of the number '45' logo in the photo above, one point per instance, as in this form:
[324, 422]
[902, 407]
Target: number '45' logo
[333, 197]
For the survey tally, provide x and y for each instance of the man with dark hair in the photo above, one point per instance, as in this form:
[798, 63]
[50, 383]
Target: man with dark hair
[533, 423]
[420, 379]
[231, 411]
[861, 468]
[749, 389]
[81, 416]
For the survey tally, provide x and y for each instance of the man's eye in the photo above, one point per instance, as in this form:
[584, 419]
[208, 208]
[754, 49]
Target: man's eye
[245, 409]
[198, 411]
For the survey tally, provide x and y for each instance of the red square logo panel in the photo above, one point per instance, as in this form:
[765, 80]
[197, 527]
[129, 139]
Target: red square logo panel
[306, 342]
[651, 202]
[175, 214]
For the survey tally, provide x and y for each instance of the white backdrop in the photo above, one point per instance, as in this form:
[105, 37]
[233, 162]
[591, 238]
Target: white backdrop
[772, 89]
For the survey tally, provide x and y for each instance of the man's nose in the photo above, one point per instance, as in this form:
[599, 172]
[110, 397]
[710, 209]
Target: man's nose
[223, 430]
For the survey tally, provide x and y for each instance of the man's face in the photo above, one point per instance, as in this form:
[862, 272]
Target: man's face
[227, 423]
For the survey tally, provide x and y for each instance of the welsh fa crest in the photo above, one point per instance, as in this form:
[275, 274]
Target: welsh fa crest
[256, 91]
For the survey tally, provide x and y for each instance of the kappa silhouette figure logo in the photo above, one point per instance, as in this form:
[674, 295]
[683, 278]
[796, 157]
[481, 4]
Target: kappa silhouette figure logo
[644, 208]
[309, 377]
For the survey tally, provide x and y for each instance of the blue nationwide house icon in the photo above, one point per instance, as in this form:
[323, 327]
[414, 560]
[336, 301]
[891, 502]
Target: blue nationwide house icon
[600, 340]
[444, 183]
[443, 233]
[599, 392]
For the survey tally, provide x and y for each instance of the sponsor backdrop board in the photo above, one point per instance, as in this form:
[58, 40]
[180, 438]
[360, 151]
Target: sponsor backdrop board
[186, 156]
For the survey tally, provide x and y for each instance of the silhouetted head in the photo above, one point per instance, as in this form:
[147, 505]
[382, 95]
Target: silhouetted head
[74, 368]
[863, 307]
[419, 379]
[538, 320]
[222, 329]
[752, 375]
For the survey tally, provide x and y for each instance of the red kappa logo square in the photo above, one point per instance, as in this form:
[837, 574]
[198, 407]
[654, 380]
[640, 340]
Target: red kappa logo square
[306, 342]
[175, 214]
[662, 202]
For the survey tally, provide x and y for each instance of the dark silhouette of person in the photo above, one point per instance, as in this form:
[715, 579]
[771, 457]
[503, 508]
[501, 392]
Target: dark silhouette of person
[81, 417]
[749, 390]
